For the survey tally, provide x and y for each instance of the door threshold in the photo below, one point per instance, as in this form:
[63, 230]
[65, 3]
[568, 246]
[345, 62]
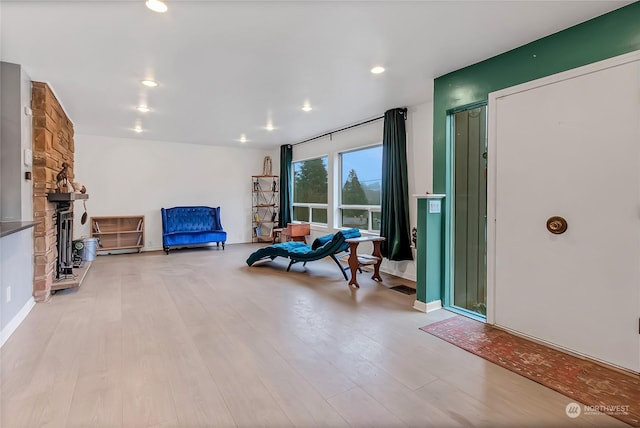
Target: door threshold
[467, 313]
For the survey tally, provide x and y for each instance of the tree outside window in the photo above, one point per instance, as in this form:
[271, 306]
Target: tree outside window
[310, 190]
[361, 188]
[352, 192]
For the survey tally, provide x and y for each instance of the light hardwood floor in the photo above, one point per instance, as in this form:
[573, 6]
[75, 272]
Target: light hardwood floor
[199, 339]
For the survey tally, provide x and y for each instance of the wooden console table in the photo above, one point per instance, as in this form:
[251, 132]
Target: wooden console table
[355, 260]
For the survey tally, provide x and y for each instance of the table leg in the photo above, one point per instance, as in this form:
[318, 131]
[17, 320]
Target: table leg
[376, 267]
[353, 263]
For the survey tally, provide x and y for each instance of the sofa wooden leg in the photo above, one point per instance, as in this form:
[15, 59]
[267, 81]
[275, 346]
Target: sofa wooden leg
[223, 246]
[166, 250]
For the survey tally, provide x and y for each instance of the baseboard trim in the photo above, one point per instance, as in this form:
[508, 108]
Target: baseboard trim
[420, 306]
[16, 321]
[427, 307]
[434, 306]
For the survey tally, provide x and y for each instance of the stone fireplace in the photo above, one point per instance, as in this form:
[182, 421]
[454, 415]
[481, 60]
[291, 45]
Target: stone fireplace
[52, 145]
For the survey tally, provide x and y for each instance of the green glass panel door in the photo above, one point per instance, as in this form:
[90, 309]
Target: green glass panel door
[470, 210]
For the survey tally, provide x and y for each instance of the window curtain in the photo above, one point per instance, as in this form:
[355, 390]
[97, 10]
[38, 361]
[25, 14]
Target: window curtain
[286, 155]
[395, 194]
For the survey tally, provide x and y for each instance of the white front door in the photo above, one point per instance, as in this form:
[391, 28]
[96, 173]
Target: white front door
[569, 146]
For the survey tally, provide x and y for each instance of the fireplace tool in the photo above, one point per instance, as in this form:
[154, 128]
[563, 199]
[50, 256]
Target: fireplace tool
[83, 219]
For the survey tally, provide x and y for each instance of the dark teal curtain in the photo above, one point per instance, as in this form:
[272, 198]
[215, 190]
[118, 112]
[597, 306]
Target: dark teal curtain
[286, 155]
[395, 194]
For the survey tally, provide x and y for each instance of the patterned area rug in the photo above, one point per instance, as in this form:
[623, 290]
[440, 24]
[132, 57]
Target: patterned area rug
[600, 389]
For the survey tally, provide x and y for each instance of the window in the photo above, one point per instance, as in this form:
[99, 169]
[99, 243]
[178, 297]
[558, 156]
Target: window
[361, 188]
[310, 190]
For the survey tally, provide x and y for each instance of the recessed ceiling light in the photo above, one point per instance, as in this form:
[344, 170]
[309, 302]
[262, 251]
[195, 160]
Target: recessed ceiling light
[269, 127]
[377, 70]
[137, 129]
[243, 138]
[307, 107]
[143, 109]
[156, 6]
[150, 83]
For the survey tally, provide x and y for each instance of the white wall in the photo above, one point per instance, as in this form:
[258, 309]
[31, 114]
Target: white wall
[16, 193]
[26, 143]
[16, 273]
[138, 177]
[419, 152]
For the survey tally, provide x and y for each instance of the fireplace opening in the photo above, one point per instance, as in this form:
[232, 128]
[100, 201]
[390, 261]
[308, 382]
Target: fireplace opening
[63, 219]
[64, 237]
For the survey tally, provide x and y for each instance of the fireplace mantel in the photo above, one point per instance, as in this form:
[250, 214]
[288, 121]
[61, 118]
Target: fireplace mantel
[66, 197]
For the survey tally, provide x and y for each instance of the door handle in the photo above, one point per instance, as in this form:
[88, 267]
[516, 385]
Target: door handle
[557, 225]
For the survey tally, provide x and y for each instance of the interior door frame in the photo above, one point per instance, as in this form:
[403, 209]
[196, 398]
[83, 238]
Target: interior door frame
[447, 289]
[450, 281]
[492, 151]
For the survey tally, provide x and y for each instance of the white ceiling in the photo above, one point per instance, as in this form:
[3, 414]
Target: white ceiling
[226, 68]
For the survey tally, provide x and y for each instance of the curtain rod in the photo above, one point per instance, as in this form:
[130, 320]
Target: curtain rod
[340, 130]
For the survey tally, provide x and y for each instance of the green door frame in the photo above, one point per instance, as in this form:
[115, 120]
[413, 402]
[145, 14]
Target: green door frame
[449, 259]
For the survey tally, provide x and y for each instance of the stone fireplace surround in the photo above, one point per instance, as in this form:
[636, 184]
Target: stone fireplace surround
[52, 145]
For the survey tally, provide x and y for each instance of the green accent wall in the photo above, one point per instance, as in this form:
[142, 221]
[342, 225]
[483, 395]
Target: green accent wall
[429, 251]
[604, 37]
[421, 252]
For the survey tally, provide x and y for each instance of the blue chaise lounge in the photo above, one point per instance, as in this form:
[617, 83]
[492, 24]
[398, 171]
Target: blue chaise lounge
[191, 226]
[324, 246]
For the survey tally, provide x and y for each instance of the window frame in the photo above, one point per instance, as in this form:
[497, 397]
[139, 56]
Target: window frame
[309, 205]
[363, 207]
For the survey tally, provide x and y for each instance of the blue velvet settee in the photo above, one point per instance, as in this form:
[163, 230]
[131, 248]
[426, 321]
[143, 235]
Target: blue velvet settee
[191, 227]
